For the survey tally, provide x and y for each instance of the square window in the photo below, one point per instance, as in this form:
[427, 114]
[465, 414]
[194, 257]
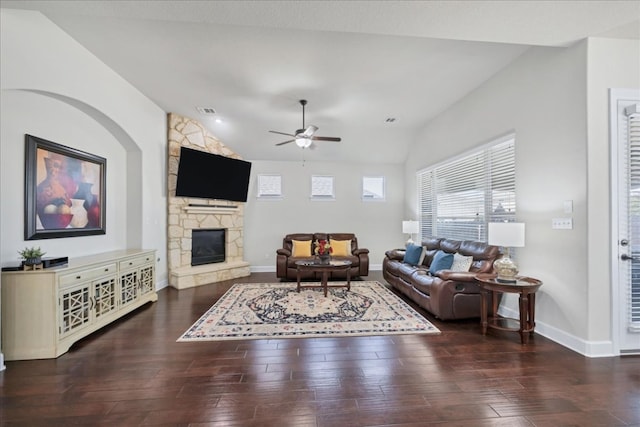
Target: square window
[322, 187]
[373, 188]
[269, 186]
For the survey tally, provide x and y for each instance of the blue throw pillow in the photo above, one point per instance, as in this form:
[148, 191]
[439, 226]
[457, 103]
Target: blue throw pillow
[412, 254]
[441, 261]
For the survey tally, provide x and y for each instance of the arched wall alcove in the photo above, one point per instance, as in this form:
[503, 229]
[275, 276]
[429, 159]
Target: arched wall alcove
[131, 197]
[133, 167]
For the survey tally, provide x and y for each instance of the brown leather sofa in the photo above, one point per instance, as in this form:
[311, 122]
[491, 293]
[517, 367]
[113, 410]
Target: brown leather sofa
[446, 294]
[286, 263]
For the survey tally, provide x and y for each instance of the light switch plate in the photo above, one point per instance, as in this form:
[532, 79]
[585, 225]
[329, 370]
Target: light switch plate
[562, 223]
[568, 206]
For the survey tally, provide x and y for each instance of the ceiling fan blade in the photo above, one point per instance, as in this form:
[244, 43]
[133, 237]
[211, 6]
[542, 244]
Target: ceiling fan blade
[281, 133]
[285, 142]
[326, 138]
[309, 131]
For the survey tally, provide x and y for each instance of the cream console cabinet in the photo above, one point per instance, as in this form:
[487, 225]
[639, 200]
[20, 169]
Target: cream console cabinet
[45, 311]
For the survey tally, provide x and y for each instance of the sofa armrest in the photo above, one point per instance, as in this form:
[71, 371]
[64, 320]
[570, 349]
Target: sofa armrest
[363, 261]
[282, 251]
[397, 254]
[457, 276]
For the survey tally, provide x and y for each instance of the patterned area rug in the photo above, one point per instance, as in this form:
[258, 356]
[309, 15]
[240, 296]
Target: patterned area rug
[276, 310]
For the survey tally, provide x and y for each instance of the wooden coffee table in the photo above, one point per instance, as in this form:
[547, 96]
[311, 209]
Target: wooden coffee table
[325, 269]
[526, 288]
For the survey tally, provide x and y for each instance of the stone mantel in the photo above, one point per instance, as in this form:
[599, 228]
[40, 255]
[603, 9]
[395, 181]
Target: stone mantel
[211, 209]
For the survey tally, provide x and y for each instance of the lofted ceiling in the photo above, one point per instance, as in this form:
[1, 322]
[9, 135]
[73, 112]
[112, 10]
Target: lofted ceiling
[358, 63]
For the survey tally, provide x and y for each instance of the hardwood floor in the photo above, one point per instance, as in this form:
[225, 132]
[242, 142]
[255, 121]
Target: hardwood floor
[134, 373]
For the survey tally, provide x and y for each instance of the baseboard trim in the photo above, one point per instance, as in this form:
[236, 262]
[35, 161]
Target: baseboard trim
[586, 348]
[263, 268]
[162, 284]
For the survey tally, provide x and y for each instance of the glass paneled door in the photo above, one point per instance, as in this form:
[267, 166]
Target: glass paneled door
[625, 111]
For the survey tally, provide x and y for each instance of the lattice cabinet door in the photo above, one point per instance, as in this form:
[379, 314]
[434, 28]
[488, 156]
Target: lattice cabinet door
[75, 309]
[105, 297]
[147, 280]
[129, 287]
[137, 278]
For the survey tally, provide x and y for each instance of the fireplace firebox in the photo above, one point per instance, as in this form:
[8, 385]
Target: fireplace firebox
[208, 246]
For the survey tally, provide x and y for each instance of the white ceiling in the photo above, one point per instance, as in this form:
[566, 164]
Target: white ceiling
[356, 62]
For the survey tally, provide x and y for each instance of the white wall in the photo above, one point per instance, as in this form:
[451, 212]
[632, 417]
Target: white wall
[54, 89]
[541, 97]
[612, 63]
[378, 225]
[561, 154]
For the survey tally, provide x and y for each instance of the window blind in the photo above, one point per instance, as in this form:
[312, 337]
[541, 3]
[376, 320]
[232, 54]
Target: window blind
[633, 220]
[457, 199]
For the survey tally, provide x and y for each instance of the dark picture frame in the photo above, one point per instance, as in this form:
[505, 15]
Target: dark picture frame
[65, 191]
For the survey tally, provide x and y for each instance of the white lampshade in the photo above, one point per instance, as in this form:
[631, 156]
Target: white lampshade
[506, 234]
[410, 227]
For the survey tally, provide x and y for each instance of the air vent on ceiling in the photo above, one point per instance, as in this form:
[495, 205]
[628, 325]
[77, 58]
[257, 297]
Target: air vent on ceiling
[206, 110]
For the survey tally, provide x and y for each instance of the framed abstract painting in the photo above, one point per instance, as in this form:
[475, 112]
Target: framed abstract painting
[64, 191]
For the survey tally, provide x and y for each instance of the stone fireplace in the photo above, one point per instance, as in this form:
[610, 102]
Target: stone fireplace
[208, 245]
[186, 215]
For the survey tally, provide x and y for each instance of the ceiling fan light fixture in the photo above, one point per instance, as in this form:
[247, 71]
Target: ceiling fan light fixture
[303, 142]
[304, 137]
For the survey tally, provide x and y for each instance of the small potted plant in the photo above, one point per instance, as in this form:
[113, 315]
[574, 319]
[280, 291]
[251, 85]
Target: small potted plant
[31, 256]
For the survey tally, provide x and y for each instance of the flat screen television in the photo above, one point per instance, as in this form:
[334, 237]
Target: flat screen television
[210, 176]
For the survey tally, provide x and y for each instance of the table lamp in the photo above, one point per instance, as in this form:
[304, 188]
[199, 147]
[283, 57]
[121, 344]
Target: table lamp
[410, 227]
[506, 234]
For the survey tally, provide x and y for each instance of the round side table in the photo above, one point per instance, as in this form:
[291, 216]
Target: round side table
[526, 288]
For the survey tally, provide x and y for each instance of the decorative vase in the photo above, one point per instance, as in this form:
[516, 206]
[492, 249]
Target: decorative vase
[93, 213]
[324, 258]
[84, 192]
[80, 218]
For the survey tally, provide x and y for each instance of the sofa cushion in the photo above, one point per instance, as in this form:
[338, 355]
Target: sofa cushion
[340, 247]
[301, 248]
[406, 272]
[483, 255]
[461, 262]
[423, 282]
[450, 246]
[412, 254]
[441, 261]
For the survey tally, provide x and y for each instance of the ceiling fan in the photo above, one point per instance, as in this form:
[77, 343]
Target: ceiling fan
[306, 135]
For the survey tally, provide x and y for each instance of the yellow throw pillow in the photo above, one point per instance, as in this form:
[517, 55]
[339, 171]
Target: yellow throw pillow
[340, 247]
[301, 248]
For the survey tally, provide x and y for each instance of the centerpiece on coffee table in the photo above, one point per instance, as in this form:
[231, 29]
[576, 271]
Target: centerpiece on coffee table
[323, 250]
